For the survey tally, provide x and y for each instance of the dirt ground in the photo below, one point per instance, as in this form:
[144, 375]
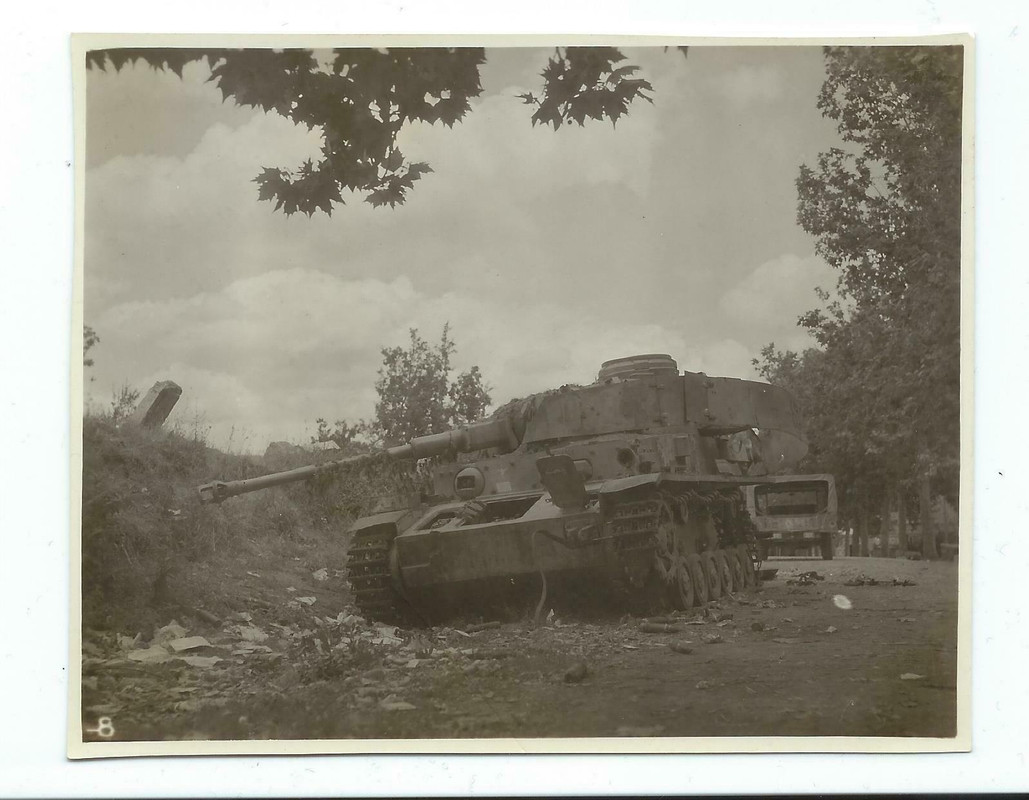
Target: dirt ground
[816, 657]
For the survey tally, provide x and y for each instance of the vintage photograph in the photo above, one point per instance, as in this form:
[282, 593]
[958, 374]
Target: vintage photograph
[593, 396]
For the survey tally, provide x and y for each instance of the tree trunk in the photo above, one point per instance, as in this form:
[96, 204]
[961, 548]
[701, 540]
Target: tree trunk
[925, 518]
[902, 521]
[884, 526]
[863, 532]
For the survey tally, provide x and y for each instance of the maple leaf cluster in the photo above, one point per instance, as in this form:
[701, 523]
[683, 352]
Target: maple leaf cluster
[359, 101]
[362, 97]
[583, 82]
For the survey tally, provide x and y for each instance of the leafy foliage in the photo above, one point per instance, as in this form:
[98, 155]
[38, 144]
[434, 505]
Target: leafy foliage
[89, 341]
[881, 390]
[361, 98]
[416, 394]
[583, 82]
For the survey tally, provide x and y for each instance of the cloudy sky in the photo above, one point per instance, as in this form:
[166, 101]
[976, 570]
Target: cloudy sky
[547, 252]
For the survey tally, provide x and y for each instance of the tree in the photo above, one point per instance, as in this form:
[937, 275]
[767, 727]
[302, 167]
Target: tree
[361, 98]
[416, 394]
[416, 397]
[89, 341]
[881, 389]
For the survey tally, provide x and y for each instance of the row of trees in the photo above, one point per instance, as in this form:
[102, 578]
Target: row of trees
[881, 388]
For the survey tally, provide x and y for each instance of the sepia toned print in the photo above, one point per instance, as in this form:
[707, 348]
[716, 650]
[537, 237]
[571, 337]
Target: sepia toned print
[577, 398]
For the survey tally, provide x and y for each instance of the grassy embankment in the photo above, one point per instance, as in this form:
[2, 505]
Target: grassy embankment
[151, 551]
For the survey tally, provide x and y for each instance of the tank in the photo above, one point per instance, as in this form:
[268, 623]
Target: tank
[627, 488]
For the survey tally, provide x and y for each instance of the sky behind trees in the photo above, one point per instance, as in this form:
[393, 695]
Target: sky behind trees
[548, 252]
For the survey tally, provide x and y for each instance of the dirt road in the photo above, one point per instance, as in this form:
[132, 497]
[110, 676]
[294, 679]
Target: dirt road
[786, 660]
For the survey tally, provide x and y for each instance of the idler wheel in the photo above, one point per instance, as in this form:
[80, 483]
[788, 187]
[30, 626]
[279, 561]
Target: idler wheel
[749, 578]
[732, 556]
[725, 572]
[714, 579]
[696, 568]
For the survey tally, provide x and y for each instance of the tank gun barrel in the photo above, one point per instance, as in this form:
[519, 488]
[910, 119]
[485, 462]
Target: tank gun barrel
[490, 433]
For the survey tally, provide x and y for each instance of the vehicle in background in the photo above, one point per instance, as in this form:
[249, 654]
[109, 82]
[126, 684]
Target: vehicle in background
[793, 514]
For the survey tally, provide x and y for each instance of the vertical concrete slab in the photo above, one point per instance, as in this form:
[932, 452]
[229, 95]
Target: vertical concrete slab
[154, 409]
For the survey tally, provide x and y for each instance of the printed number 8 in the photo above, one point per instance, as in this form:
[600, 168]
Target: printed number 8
[104, 727]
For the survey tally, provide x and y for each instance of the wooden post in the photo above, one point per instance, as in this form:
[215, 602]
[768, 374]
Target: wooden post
[863, 531]
[926, 518]
[902, 520]
[884, 525]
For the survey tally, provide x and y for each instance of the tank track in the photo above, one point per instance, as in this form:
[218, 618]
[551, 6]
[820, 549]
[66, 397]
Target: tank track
[634, 525]
[369, 575]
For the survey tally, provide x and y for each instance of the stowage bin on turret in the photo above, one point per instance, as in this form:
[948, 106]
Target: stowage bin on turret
[627, 487]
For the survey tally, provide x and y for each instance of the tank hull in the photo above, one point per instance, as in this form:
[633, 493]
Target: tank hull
[522, 550]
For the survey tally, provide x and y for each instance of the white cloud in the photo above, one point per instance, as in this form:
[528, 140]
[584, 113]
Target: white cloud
[746, 86]
[549, 252]
[267, 355]
[771, 297]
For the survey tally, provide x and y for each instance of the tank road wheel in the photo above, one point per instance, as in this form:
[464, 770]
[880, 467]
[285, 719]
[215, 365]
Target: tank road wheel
[714, 579]
[749, 576]
[683, 589]
[732, 556]
[696, 568]
[725, 573]
[669, 564]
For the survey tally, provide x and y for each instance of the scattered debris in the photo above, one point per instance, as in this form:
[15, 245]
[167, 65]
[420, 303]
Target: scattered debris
[757, 626]
[320, 574]
[703, 685]
[786, 640]
[251, 633]
[906, 619]
[830, 629]
[682, 647]
[188, 643]
[307, 601]
[724, 623]
[842, 601]
[660, 627]
[154, 654]
[713, 638]
[865, 580]
[805, 579]
[911, 676]
[576, 673]
[482, 626]
[170, 631]
[206, 616]
[200, 661]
